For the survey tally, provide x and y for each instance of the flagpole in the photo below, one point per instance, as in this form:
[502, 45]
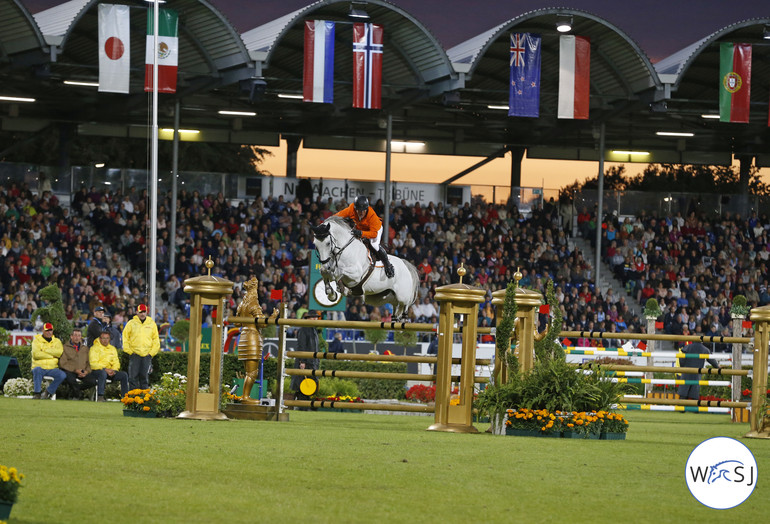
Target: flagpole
[152, 244]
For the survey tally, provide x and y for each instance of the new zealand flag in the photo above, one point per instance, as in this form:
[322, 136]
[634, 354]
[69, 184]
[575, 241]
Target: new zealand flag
[524, 99]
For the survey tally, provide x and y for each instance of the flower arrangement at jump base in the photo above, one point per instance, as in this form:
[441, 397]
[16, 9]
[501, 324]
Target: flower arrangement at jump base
[540, 422]
[10, 482]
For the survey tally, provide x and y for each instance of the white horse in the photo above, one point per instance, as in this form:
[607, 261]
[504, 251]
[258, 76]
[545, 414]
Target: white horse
[346, 260]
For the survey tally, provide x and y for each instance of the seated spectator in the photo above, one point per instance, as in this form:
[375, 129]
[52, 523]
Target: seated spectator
[105, 364]
[75, 364]
[46, 350]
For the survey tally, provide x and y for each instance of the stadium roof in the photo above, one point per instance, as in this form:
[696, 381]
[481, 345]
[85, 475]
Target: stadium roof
[435, 97]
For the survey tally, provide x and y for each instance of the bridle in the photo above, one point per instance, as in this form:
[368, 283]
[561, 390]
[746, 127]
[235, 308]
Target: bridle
[334, 255]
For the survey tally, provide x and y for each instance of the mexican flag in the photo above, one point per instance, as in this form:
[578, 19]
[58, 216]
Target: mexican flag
[734, 82]
[168, 50]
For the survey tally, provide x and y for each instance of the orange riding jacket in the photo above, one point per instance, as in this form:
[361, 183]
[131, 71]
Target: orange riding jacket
[368, 226]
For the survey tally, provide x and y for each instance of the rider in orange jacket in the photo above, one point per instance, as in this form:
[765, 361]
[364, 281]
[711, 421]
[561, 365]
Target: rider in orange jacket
[368, 228]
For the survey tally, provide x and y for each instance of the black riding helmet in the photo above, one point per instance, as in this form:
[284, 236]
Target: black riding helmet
[362, 203]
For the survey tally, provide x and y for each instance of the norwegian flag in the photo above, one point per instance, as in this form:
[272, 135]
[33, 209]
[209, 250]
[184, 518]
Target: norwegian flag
[367, 66]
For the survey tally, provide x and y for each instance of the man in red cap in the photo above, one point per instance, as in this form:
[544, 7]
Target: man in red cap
[46, 350]
[141, 342]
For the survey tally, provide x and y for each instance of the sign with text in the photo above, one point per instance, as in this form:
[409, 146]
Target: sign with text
[350, 189]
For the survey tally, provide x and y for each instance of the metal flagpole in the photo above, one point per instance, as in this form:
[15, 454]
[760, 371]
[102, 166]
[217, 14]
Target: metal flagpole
[174, 175]
[153, 243]
[386, 214]
[599, 214]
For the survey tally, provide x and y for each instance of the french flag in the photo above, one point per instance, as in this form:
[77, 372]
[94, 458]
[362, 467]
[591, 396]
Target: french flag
[367, 66]
[574, 76]
[318, 81]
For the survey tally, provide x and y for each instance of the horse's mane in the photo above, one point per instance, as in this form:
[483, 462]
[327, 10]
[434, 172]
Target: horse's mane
[343, 222]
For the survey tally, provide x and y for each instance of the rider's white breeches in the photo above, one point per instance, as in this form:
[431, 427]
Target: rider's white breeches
[375, 242]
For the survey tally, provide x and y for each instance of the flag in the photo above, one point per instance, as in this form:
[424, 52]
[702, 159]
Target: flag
[574, 76]
[658, 325]
[168, 51]
[114, 48]
[641, 345]
[746, 324]
[735, 82]
[276, 294]
[544, 309]
[318, 79]
[367, 66]
[524, 97]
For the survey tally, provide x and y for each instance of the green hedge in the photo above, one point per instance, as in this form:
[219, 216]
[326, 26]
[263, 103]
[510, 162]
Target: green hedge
[372, 388]
[176, 362]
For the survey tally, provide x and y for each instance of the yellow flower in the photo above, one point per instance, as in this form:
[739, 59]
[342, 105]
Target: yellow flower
[139, 401]
[146, 408]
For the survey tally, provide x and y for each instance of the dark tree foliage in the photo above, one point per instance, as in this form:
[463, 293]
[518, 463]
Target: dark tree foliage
[676, 178]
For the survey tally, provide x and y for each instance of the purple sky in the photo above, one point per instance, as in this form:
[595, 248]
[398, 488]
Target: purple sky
[660, 27]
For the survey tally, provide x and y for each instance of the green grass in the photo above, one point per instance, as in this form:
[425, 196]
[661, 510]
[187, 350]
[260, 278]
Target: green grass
[84, 462]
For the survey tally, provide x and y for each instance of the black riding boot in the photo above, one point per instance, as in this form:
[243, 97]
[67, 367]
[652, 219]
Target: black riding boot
[383, 256]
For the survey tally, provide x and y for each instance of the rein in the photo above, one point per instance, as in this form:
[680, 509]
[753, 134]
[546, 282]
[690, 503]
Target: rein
[332, 254]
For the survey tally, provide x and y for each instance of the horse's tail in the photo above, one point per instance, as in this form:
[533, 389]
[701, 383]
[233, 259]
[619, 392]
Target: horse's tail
[415, 282]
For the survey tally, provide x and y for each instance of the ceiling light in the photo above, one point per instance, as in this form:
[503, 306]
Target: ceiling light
[406, 143]
[181, 131]
[498, 107]
[564, 24]
[673, 133]
[288, 95]
[709, 115]
[81, 83]
[357, 13]
[101, 164]
[237, 113]
[16, 99]
[627, 152]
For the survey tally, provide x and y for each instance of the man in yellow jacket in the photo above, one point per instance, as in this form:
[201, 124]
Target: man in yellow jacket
[103, 358]
[141, 342]
[46, 350]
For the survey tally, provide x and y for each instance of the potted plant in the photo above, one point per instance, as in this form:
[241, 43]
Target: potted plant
[614, 427]
[18, 387]
[140, 403]
[652, 309]
[10, 482]
[532, 423]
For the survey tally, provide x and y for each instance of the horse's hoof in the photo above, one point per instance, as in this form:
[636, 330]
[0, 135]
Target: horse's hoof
[332, 297]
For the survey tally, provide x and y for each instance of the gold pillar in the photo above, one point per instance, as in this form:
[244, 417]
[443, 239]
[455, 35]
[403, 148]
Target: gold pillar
[205, 291]
[456, 299]
[760, 316]
[527, 302]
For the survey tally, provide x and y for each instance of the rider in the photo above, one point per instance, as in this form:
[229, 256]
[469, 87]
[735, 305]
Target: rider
[368, 226]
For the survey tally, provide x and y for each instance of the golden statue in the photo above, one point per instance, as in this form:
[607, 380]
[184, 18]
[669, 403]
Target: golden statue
[250, 342]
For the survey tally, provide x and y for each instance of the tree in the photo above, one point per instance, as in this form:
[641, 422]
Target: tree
[675, 178]
[375, 336]
[405, 338]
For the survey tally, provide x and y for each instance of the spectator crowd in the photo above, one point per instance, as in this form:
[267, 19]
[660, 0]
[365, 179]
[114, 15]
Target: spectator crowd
[95, 250]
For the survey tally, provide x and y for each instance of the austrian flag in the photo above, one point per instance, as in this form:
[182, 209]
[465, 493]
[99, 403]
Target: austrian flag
[167, 52]
[367, 66]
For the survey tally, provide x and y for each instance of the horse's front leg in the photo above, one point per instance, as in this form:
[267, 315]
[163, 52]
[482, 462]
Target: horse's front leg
[331, 294]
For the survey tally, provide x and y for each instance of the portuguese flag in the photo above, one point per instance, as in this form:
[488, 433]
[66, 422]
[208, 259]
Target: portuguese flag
[734, 82]
[168, 50]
